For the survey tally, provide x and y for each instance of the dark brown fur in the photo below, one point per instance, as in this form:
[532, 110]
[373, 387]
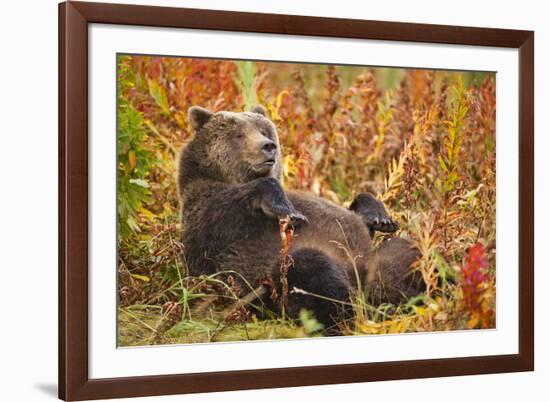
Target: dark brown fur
[391, 279]
[232, 200]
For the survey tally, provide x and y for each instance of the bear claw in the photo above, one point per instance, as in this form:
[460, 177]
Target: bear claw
[383, 225]
[297, 218]
[374, 213]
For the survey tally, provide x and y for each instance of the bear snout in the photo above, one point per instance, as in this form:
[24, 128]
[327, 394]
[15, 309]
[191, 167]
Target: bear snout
[269, 149]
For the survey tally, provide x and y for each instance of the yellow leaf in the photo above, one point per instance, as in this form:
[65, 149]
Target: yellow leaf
[289, 166]
[274, 108]
[147, 213]
[434, 306]
[441, 316]
[132, 159]
[141, 277]
[421, 311]
[280, 98]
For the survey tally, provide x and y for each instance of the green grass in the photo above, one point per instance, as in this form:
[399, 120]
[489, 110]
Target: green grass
[140, 326]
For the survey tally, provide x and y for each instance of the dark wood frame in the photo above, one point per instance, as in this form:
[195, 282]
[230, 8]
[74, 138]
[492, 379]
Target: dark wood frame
[74, 17]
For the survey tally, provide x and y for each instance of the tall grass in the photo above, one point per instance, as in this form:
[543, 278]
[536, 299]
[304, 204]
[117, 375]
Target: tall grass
[422, 141]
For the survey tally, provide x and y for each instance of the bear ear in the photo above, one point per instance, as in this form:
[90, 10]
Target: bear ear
[259, 109]
[199, 116]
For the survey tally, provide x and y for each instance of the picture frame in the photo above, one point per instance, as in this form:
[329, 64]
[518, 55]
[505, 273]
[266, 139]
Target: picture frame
[74, 20]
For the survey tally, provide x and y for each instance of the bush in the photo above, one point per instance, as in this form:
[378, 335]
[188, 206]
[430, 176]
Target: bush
[423, 141]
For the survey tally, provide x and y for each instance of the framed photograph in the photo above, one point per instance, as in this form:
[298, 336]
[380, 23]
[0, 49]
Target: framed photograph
[260, 200]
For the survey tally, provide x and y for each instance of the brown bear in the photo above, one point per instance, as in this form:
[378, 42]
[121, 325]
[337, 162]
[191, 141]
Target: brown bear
[232, 201]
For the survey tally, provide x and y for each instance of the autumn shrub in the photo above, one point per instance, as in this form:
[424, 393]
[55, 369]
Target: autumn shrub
[422, 141]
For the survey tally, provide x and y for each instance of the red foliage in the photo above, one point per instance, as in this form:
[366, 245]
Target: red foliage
[476, 287]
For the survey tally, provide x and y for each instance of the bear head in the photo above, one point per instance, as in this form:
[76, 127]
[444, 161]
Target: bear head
[235, 147]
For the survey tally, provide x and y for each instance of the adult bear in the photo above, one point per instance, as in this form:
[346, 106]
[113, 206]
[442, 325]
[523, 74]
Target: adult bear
[232, 201]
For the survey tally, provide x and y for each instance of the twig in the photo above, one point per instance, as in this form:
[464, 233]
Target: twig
[306, 293]
[249, 298]
[347, 249]
[286, 231]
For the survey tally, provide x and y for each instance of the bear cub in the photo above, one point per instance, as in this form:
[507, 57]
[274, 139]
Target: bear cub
[232, 199]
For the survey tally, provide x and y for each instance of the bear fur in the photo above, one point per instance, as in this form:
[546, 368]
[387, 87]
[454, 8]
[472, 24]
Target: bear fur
[232, 200]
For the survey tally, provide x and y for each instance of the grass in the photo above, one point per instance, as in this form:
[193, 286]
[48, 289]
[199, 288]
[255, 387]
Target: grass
[422, 141]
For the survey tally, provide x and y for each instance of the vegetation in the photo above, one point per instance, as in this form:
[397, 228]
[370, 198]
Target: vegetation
[423, 141]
